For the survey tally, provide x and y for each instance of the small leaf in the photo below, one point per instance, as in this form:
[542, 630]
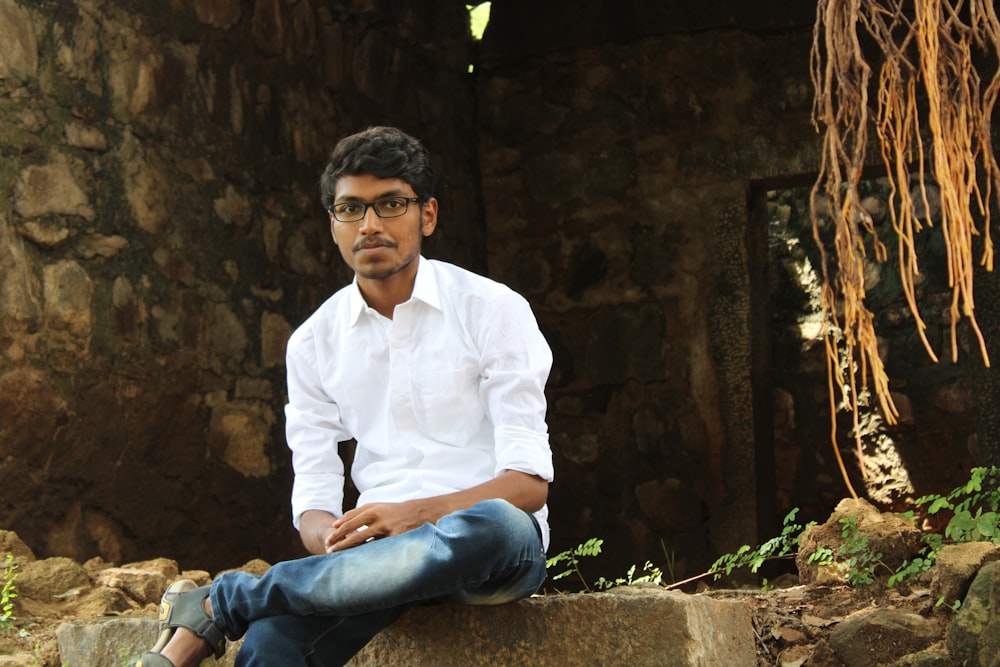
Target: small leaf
[937, 505]
[987, 524]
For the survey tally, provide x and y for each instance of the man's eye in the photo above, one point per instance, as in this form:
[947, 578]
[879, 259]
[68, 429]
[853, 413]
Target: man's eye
[392, 204]
[348, 209]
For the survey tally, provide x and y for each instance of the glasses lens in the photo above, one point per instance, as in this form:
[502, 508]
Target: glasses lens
[349, 211]
[391, 207]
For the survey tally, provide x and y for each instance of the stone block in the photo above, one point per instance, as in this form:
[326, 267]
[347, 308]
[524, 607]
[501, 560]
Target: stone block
[105, 642]
[625, 626]
[114, 641]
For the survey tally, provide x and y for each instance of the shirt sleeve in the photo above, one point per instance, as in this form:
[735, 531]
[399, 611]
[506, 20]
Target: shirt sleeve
[515, 362]
[313, 430]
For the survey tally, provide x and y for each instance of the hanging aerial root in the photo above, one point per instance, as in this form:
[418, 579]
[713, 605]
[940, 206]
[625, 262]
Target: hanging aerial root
[926, 52]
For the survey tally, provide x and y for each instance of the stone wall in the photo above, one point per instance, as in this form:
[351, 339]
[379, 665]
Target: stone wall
[627, 152]
[161, 235]
[615, 180]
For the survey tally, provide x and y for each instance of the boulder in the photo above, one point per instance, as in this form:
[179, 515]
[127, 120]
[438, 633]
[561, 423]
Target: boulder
[881, 637]
[974, 635]
[956, 566]
[11, 543]
[887, 534]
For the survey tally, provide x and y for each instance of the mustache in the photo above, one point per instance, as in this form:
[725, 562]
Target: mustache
[367, 244]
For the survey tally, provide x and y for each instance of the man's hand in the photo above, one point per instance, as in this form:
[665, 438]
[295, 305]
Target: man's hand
[323, 533]
[376, 520]
[315, 527]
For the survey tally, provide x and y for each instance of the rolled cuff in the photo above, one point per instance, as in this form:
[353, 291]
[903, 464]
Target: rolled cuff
[317, 491]
[523, 450]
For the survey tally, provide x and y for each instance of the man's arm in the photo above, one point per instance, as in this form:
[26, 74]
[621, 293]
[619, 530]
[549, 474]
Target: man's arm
[313, 428]
[374, 520]
[315, 526]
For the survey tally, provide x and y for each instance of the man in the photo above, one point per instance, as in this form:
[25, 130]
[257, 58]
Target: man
[438, 374]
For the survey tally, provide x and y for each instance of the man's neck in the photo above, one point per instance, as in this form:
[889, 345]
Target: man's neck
[386, 293]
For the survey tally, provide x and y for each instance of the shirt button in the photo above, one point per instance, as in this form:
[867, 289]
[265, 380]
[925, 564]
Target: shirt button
[401, 400]
[397, 344]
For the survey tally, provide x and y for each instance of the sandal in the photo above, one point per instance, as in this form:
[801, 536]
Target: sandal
[150, 659]
[181, 607]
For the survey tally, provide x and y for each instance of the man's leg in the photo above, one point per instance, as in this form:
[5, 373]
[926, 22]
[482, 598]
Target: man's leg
[314, 641]
[490, 553]
[492, 545]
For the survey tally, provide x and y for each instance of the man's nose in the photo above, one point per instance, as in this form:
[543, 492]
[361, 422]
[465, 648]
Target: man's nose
[371, 223]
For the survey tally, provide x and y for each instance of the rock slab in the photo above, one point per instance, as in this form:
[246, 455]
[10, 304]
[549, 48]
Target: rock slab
[627, 626]
[974, 635]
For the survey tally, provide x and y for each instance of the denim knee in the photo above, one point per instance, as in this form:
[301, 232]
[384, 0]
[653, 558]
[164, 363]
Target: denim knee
[273, 636]
[494, 527]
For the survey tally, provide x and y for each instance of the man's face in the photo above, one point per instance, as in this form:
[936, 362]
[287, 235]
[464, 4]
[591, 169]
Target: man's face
[376, 247]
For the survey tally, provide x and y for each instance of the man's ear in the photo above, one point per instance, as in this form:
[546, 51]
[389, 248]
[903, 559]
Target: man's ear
[332, 226]
[429, 216]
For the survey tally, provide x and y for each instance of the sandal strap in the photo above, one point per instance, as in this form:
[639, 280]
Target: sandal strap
[183, 609]
[151, 659]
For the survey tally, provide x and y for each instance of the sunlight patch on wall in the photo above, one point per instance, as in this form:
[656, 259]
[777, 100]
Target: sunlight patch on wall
[479, 17]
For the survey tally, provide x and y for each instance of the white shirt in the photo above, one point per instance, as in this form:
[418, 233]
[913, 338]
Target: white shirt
[446, 395]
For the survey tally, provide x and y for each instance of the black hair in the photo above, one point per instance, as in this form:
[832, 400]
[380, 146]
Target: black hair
[383, 152]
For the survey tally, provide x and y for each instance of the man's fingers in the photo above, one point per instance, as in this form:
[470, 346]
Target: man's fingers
[351, 540]
[347, 536]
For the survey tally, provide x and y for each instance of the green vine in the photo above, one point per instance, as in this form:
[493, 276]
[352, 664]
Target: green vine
[782, 546]
[975, 518]
[571, 558]
[7, 595]
[975, 508]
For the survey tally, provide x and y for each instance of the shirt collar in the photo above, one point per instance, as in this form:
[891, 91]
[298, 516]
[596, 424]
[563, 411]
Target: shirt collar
[425, 288]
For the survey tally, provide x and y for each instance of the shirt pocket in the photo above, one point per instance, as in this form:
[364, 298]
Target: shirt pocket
[447, 405]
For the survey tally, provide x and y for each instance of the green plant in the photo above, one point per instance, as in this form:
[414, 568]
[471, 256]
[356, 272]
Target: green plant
[954, 606]
[860, 560]
[975, 507]
[653, 575]
[592, 547]
[920, 563]
[976, 517]
[571, 558]
[669, 558]
[782, 546]
[7, 595]
[854, 558]
[821, 556]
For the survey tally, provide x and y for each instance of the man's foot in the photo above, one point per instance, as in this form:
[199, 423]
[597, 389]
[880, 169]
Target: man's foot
[186, 649]
[188, 633]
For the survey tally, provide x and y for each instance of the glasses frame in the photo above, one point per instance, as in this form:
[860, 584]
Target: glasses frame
[367, 204]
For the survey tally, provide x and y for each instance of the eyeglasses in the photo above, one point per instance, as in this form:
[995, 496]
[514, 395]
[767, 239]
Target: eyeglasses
[386, 207]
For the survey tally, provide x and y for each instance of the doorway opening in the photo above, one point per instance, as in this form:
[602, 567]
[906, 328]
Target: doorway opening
[928, 450]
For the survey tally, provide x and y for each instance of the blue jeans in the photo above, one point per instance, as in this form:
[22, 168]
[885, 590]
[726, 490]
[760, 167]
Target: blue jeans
[321, 610]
